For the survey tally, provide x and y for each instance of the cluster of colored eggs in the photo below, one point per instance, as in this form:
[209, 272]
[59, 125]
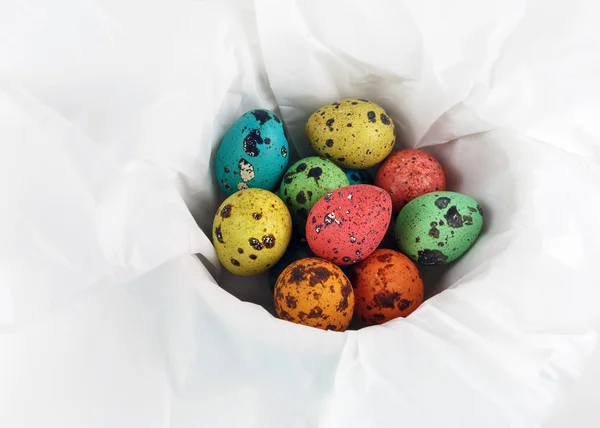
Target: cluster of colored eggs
[317, 225]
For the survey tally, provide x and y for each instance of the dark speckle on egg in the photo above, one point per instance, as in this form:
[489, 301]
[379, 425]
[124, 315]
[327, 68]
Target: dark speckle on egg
[453, 218]
[291, 302]
[343, 304]
[431, 257]
[251, 142]
[226, 211]
[372, 117]
[376, 318]
[315, 173]
[442, 202]
[269, 241]
[218, 234]
[404, 304]
[434, 232]
[301, 197]
[255, 243]
[297, 274]
[385, 299]
[261, 116]
[318, 275]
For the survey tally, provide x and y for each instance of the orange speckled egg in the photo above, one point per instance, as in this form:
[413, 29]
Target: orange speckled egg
[316, 293]
[387, 285]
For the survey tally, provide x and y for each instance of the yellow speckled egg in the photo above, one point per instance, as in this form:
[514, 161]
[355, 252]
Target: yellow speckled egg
[353, 133]
[251, 231]
[316, 293]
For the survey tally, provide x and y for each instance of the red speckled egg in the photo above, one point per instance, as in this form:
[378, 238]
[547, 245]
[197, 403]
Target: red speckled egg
[408, 174]
[347, 225]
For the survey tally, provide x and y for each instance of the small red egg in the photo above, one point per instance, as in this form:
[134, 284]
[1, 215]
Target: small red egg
[408, 174]
[348, 224]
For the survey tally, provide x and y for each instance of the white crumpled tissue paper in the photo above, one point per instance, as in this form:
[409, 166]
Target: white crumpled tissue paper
[110, 115]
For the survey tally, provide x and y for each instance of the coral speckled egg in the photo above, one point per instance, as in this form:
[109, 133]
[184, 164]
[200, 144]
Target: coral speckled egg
[348, 224]
[439, 227]
[358, 176]
[316, 293]
[407, 174]
[253, 153]
[305, 182]
[251, 231]
[353, 133]
[387, 285]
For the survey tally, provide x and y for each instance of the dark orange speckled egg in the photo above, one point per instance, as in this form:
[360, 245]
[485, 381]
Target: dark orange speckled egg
[387, 285]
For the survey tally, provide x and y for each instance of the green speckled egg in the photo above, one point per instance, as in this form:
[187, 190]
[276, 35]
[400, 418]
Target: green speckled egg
[307, 181]
[437, 228]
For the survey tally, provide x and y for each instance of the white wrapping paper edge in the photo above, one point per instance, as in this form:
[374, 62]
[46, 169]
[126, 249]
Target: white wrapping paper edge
[107, 113]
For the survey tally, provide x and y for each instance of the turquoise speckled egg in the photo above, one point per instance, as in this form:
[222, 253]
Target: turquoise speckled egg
[307, 181]
[358, 176]
[439, 227]
[253, 153]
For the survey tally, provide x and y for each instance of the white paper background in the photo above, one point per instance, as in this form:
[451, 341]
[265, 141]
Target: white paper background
[108, 112]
